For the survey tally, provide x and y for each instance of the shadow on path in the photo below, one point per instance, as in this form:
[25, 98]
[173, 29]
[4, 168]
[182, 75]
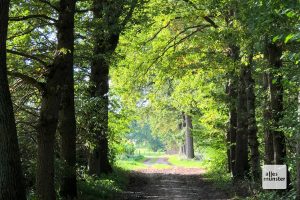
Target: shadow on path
[174, 183]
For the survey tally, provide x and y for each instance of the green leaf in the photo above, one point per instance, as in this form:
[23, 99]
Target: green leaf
[276, 38]
[288, 38]
[290, 14]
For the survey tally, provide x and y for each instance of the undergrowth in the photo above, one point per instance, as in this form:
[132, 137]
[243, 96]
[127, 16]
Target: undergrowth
[103, 188]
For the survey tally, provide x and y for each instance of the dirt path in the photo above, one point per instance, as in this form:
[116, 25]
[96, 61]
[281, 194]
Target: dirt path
[174, 183]
[153, 161]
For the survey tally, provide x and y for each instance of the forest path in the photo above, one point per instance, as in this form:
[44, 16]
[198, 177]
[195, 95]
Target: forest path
[172, 183]
[154, 161]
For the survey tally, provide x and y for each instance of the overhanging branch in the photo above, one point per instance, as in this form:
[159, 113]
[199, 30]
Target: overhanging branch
[49, 4]
[27, 56]
[22, 18]
[129, 14]
[29, 80]
[156, 34]
[168, 46]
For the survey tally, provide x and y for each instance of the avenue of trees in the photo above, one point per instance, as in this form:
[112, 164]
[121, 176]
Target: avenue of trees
[79, 79]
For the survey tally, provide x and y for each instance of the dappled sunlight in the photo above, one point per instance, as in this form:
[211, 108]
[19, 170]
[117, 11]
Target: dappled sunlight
[173, 183]
[161, 165]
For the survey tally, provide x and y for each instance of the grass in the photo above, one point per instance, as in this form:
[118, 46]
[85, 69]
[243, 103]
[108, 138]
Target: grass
[132, 163]
[148, 152]
[104, 188]
[183, 162]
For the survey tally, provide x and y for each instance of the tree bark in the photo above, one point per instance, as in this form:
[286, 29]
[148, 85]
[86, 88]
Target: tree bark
[67, 130]
[11, 178]
[277, 109]
[276, 94]
[67, 120]
[99, 158]
[105, 44]
[298, 152]
[182, 126]
[268, 135]
[106, 38]
[51, 101]
[241, 158]
[232, 93]
[252, 127]
[189, 137]
[231, 133]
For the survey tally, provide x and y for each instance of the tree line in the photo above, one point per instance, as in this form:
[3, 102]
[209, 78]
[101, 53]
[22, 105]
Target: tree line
[223, 72]
[228, 71]
[41, 42]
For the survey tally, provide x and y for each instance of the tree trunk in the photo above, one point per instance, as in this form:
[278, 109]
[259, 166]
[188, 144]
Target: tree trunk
[67, 130]
[276, 93]
[252, 127]
[268, 135]
[11, 178]
[51, 101]
[277, 109]
[189, 137]
[106, 42]
[231, 133]
[241, 158]
[298, 152]
[99, 160]
[233, 53]
[182, 126]
[67, 120]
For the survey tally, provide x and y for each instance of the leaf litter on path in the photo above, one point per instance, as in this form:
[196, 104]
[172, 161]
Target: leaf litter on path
[172, 183]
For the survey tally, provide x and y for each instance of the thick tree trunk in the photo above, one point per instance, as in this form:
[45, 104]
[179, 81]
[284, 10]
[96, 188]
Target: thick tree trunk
[106, 42]
[67, 130]
[232, 93]
[99, 158]
[67, 120]
[268, 135]
[51, 101]
[276, 92]
[298, 152]
[231, 133]
[277, 109]
[241, 159]
[252, 127]
[189, 137]
[11, 178]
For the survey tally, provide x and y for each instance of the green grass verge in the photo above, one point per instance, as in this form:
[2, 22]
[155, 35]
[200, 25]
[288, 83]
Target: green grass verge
[148, 152]
[132, 163]
[183, 162]
[104, 188]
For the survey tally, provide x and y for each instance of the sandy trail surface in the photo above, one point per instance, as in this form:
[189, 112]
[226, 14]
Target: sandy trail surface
[172, 183]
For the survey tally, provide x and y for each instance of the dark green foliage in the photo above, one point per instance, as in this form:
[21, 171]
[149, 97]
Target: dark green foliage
[140, 64]
[105, 187]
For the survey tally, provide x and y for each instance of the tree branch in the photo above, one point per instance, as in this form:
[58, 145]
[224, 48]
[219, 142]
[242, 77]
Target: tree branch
[21, 34]
[129, 14]
[82, 11]
[27, 56]
[168, 46]
[209, 20]
[22, 18]
[49, 4]
[156, 34]
[29, 80]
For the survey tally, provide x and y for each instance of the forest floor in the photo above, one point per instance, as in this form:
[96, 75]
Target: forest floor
[162, 180]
